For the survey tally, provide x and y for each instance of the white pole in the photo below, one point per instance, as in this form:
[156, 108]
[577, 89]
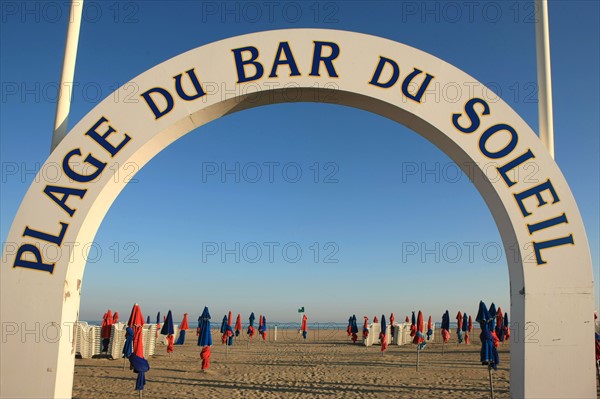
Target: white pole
[544, 75]
[275, 337]
[68, 72]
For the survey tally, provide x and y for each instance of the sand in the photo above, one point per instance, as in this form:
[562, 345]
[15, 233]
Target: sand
[327, 365]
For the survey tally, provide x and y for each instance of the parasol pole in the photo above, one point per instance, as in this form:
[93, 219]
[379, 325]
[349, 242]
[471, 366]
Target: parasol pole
[491, 381]
[418, 352]
[65, 89]
[544, 75]
[443, 345]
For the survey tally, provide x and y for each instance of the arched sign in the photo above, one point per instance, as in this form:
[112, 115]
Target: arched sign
[551, 283]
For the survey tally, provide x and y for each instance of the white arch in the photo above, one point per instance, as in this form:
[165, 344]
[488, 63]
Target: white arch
[551, 304]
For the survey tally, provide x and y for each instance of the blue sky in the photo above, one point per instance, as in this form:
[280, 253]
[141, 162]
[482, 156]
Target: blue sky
[381, 219]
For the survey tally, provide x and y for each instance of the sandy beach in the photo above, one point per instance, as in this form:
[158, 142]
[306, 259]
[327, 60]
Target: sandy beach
[327, 365]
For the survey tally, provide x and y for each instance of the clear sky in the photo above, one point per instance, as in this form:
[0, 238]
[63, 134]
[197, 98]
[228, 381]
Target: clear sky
[379, 221]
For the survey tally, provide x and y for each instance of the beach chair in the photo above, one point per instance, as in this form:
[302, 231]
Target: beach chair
[117, 339]
[374, 333]
[149, 337]
[397, 338]
[82, 338]
[406, 338]
[369, 340]
[95, 334]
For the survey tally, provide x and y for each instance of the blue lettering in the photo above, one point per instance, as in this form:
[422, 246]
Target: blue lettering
[472, 115]
[417, 97]
[90, 159]
[66, 193]
[514, 138]
[393, 79]
[169, 103]
[328, 61]
[240, 64]
[37, 265]
[194, 79]
[102, 139]
[284, 47]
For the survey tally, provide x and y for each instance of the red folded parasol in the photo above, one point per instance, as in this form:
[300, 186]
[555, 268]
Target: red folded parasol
[136, 322]
[107, 321]
[205, 356]
[238, 325]
[184, 323]
[419, 333]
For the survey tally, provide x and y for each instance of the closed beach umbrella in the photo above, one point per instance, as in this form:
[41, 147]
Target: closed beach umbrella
[136, 359]
[263, 328]
[375, 319]
[251, 331]
[204, 337]
[227, 331]
[445, 329]
[413, 325]
[446, 326]
[140, 366]
[406, 319]
[500, 325]
[136, 322]
[168, 329]
[184, 323]
[506, 327]
[493, 314]
[230, 329]
[459, 320]
[238, 325]
[128, 345]
[392, 320]
[419, 338]
[383, 335]
[115, 317]
[488, 354]
[304, 326]
[105, 329]
[183, 327]
[148, 319]
[429, 328]
[224, 330]
[157, 324]
[349, 328]
[366, 327]
[354, 328]
[465, 329]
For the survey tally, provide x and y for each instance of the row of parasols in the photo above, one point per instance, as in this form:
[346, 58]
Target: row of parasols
[494, 325]
[133, 348]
